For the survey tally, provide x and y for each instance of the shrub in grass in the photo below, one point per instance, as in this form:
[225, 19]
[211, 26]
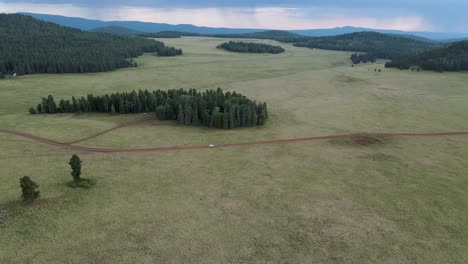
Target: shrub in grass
[29, 189]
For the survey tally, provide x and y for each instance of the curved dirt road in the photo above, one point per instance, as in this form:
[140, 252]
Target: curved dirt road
[253, 143]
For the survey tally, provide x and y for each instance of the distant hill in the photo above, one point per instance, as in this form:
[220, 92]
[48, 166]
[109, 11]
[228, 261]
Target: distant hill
[380, 45]
[278, 35]
[33, 46]
[169, 34]
[450, 58]
[89, 24]
[347, 30]
[454, 40]
[116, 30]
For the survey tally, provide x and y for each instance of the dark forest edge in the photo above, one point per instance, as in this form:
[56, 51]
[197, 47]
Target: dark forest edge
[375, 45]
[33, 46]
[211, 108]
[250, 47]
[451, 58]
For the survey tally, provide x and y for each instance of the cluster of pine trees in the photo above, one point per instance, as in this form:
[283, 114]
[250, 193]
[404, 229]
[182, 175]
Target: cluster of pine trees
[451, 58]
[28, 45]
[357, 58]
[211, 108]
[250, 47]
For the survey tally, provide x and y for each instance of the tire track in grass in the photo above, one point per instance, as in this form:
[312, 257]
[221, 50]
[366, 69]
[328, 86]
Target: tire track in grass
[109, 130]
[230, 145]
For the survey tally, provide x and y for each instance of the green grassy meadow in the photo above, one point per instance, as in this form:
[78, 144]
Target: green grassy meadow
[402, 201]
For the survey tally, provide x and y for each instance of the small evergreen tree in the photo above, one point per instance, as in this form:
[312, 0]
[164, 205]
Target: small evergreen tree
[75, 164]
[32, 111]
[2, 76]
[226, 120]
[51, 104]
[161, 112]
[206, 118]
[29, 189]
[255, 119]
[181, 116]
[188, 115]
[121, 105]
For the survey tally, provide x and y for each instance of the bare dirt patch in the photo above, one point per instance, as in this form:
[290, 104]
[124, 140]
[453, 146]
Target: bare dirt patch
[366, 141]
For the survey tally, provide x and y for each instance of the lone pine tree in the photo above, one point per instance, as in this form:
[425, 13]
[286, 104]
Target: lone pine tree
[29, 189]
[75, 164]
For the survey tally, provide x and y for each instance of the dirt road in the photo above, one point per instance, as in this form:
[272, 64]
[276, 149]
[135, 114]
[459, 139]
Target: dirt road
[232, 145]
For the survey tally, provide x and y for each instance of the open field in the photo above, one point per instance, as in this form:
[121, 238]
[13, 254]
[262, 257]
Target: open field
[403, 200]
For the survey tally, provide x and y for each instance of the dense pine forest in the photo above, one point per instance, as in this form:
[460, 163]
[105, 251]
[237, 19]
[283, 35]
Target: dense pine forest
[211, 108]
[383, 46]
[451, 58]
[28, 45]
[250, 47]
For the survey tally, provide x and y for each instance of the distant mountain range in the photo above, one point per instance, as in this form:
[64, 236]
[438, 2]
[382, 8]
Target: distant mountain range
[116, 30]
[136, 26]
[90, 24]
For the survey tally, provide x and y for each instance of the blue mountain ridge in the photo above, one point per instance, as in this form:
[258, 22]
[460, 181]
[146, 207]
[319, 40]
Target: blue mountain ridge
[90, 24]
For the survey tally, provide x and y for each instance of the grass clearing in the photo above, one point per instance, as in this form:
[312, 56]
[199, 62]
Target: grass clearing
[403, 201]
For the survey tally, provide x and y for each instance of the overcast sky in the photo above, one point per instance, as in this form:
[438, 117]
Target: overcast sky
[410, 15]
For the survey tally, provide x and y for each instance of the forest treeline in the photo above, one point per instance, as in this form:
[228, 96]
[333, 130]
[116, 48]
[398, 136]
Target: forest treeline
[28, 45]
[277, 35]
[211, 108]
[169, 34]
[383, 46]
[250, 47]
[451, 58]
